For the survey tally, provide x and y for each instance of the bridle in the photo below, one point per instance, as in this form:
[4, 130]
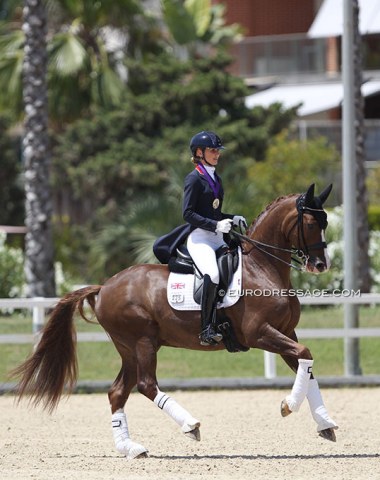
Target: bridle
[299, 255]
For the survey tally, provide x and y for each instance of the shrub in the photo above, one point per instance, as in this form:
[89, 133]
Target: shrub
[12, 279]
[374, 217]
[12, 270]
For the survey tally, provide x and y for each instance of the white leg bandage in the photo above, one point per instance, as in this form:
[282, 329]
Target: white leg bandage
[176, 412]
[317, 407]
[301, 385]
[123, 443]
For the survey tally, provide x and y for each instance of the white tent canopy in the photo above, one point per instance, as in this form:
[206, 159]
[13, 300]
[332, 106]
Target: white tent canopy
[329, 19]
[314, 97]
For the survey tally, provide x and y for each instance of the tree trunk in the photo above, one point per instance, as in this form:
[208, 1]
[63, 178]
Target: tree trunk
[363, 268]
[39, 256]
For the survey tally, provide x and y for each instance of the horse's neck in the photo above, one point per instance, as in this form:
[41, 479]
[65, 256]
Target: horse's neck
[268, 229]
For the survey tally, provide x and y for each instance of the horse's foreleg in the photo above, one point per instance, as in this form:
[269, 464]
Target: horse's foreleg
[147, 385]
[325, 425]
[118, 396]
[299, 359]
[293, 402]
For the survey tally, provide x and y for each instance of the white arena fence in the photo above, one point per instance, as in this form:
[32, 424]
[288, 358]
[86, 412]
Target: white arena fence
[38, 307]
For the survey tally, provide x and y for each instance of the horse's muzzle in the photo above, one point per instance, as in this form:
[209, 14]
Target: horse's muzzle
[316, 265]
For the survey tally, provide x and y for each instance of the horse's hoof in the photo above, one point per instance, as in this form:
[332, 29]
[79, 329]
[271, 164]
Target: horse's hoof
[285, 410]
[137, 451]
[328, 434]
[142, 455]
[194, 434]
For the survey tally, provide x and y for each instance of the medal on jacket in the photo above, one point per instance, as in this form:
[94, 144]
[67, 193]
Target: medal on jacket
[215, 185]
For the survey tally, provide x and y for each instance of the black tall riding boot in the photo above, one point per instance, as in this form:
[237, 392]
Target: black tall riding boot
[208, 335]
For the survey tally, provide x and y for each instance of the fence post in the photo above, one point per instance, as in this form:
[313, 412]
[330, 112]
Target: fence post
[270, 370]
[38, 320]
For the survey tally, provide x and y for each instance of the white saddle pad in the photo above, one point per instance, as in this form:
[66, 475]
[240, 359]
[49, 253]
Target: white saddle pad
[180, 290]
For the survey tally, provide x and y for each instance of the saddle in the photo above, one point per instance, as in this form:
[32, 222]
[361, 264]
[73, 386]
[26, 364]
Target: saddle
[227, 259]
[228, 263]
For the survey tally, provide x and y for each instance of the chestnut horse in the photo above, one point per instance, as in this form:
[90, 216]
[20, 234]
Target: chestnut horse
[132, 308]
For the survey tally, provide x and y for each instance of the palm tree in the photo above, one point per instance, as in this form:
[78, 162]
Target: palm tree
[39, 257]
[87, 44]
[364, 278]
[352, 346]
[198, 26]
[84, 70]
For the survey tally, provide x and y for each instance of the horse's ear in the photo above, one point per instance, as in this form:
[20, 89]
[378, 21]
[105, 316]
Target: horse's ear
[309, 195]
[326, 192]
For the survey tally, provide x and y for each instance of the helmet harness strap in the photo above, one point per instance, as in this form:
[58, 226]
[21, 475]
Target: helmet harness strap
[203, 157]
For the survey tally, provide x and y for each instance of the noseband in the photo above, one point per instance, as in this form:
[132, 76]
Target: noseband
[302, 254]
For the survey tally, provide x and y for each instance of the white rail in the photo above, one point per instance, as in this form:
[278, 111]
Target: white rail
[38, 306]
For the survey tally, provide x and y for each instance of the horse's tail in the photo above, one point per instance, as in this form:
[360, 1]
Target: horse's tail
[53, 365]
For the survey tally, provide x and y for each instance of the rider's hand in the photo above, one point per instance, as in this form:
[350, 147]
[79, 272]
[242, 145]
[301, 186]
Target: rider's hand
[224, 226]
[239, 218]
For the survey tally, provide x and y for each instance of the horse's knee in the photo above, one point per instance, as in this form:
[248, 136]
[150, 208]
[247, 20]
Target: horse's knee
[148, 388]
[304, 353]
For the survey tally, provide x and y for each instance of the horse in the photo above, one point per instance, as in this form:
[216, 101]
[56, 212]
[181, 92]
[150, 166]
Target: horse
[133, 309]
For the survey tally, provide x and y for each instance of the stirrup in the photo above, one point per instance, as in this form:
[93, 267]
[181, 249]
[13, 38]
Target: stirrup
[209, 337]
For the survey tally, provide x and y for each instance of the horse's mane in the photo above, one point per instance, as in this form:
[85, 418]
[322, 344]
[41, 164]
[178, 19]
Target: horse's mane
[267, 209]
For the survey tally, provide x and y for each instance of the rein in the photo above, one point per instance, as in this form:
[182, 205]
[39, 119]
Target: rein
[261, 246]
[302, 254]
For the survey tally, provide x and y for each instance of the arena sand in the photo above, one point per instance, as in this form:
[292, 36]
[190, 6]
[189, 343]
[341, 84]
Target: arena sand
[243, 437]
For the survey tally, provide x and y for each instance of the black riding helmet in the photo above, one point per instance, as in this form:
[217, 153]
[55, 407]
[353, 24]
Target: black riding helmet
[205, 140]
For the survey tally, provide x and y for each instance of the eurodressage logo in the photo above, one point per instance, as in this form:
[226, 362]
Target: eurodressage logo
[266, 292]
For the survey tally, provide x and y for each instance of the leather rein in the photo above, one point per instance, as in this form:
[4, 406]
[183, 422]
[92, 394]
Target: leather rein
[302, 255]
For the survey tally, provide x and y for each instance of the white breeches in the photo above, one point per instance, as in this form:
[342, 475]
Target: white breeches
[202, 245]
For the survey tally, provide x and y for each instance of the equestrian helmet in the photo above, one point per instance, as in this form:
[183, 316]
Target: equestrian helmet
[205, 140]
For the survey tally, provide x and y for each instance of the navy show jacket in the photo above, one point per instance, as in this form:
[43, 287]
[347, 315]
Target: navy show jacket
[197, 211]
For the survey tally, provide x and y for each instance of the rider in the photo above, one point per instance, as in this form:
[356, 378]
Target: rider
[202, 209]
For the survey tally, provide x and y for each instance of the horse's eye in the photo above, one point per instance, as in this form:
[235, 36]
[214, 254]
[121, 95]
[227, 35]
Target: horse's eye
[310, 226]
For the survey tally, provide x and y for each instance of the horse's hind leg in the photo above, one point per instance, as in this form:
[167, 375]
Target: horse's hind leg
[146, 352]
[325, 425]
[118, 395]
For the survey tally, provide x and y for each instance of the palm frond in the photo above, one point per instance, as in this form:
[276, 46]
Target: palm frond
[67, 54]
[141, 246]
[11, 64]
[110, 86]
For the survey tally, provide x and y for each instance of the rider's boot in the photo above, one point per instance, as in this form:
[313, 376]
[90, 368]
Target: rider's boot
[209, 335]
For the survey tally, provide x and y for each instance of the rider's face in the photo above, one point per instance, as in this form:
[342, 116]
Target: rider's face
[211, 155]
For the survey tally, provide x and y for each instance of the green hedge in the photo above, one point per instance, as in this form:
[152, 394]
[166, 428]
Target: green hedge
[374, 217]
